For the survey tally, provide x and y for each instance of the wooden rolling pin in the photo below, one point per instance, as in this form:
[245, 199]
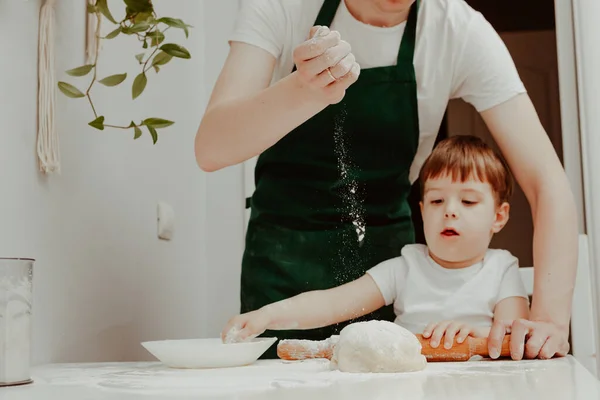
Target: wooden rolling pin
[305, 349]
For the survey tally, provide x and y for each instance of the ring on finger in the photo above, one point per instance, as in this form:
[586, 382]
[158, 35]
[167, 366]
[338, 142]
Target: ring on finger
[333, 78]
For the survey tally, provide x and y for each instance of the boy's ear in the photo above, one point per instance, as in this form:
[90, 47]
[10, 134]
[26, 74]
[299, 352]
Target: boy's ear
[421, 206]
[502, 214]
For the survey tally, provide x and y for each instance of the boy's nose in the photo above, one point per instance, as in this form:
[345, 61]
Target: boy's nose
[450, 214]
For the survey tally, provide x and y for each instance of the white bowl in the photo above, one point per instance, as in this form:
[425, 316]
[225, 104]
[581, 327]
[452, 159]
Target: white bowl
[207, 353]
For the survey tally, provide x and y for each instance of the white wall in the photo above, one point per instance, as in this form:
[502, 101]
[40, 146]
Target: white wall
[103, 281]
[225, 196]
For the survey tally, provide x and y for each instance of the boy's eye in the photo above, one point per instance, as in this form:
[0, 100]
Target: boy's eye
[436, 201]
[469, 203]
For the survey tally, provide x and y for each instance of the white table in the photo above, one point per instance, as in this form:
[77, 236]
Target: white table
[562, 378]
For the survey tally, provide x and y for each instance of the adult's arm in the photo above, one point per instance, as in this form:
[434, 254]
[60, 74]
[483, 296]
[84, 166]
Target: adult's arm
[524, 143]
[245, 115]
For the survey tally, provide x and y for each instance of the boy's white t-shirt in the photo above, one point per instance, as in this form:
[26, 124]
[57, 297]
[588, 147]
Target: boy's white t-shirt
[458, 54]
[423, 292]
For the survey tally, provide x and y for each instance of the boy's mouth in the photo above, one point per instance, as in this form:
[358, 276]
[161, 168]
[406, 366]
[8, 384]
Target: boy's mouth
[449, 232]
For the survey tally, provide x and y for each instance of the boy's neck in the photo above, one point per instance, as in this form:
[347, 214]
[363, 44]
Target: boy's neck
[457, 264]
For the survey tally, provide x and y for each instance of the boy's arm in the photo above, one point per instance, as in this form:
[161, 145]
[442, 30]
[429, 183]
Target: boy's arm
[308, 310]
[320, 308]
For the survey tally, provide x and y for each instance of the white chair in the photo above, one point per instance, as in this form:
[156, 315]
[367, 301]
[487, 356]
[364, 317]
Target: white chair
[583, 329]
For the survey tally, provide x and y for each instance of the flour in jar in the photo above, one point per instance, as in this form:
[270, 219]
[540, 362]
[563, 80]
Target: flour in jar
[15, 328]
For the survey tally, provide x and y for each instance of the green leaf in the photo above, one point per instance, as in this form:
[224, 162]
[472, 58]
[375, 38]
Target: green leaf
[139, 27]
[113, 80]
[98, 123]
[161, 58]
[70, 90]
[157, 122]
[176, 23]
[156, 68]
[103, 7]
[113, 34]
[139, 6]
[153, 133]
[91, 9]
[175, 50]
[80, 71]
[140, 57]
[143, 17]
[145, 45]
[137, 132]
[156, 38]
[139, 84]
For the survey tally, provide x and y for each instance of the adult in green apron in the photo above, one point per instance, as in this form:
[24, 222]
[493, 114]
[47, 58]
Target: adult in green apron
[301, 235]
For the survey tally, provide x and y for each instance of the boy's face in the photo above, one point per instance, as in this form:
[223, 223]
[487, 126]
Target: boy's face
[459, 218]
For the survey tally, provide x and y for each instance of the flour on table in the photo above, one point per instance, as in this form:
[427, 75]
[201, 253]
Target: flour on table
[268, 379]
[377, 346]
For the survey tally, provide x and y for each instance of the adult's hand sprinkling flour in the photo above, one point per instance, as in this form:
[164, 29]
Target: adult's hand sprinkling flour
[377, 346]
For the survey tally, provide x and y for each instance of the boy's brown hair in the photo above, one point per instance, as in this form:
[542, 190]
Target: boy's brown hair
[465, 157]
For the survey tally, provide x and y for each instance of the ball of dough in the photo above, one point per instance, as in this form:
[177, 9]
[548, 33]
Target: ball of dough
[377, 346]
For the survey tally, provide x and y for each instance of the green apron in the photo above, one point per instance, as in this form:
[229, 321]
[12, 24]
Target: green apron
[301, 235]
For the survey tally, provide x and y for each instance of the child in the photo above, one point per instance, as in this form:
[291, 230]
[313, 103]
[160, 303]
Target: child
[453, 287]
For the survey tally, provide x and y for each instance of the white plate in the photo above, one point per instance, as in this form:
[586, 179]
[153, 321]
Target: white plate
[207, 353]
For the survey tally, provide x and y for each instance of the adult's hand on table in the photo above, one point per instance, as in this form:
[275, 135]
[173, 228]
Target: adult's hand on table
[529, 339]
[325, 65]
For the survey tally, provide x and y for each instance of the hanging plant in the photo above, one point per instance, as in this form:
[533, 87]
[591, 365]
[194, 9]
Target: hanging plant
[141, 21]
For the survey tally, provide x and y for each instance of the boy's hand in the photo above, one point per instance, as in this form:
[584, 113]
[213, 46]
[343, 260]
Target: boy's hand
[448, 330]
[245, 326]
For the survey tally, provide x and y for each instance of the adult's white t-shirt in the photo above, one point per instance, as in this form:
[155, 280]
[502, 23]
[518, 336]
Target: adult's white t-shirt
[458, 54]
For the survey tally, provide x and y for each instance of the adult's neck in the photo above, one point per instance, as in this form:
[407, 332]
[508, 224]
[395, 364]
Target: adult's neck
[373, 12]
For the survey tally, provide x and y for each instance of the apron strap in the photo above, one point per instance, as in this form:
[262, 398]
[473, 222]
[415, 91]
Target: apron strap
[327, 12]
[407, 47]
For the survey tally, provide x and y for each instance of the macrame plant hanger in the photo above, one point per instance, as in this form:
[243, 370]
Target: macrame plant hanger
[48, 149]
[47, 141]
[92, 41]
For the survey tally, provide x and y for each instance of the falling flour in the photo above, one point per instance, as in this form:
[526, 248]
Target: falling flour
[351, 195]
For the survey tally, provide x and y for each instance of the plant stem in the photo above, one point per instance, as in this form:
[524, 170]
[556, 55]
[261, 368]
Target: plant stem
[152, 54]
[91, 104]
[117, 127]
